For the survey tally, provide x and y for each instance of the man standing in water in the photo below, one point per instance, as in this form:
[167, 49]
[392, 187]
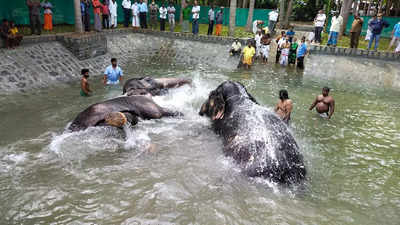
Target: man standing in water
[324, 104]
[85, 89]
[113, 74]
[284, 106]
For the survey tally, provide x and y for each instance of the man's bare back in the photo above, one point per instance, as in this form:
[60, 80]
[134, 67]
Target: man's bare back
[284, 109]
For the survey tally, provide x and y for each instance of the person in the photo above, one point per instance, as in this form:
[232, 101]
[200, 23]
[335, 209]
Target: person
[112, 7]
[171, 16]
[324, 104]
[85, 7]
[248, 54]
[211, 17]
[377, 26]
[34, 16]
[5, 33]
[236, 48]
[369, 30]
[135, 15]
[163, 17]
[126, 6]
[397, 50]
[257, 39]
[113, 74]
[186, 17]
[301, 53]
[14, 36]
[196, 17]
[48, 15]
[290, 34]
[319, 23]
[265, 42]
[85, 89]
[293, 51]
[153, 14]
[285, 46]
[105, 13]
[279, 41]
[143, 14]
[272, 19]
[395, 35]
[97, 11]
[257, 24]
[355, 31]
[284, 106]
[219, 19]
[336, 24]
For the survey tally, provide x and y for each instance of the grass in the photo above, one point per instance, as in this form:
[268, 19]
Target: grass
[344, 41]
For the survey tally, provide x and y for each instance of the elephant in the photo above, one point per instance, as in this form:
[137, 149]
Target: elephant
[257, 139]
[119, 111]
[151, 86]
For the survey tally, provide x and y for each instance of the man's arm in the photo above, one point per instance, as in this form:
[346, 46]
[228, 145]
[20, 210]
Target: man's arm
[105, 79]
[314, 103]
[288, 110]
[84, 87]
[331, 108]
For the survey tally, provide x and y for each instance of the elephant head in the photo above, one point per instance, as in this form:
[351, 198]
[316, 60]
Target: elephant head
[214, 107]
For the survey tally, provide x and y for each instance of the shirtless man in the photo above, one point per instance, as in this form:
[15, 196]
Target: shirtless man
[284, 106]
[324, 104]
[85, 90]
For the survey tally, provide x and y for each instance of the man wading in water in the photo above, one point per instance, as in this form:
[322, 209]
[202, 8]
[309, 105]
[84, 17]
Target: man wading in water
[85, 90]
[284, 106]
[324, 104]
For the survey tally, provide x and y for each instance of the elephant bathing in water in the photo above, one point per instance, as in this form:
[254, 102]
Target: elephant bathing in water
[257, 139]
[148, 85]
[118, 111]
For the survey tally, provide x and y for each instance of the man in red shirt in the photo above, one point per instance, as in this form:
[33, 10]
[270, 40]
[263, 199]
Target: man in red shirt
[106, 15]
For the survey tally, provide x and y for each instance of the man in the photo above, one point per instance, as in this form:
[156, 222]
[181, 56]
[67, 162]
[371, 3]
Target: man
[171, 16]
[163, 16]
[196, 17]
[248, 55]
[14, 37]
[236, 48]
[280, 40]
[324, 104]
[219, 19]
[153, 15]
[135, 15]
[85, 7]
[113, 13]
[4, 33]
[284, 106]
[355, 31]
[105, 13]
[377, 26]
[336, 24]
[395, 35]
[113, 74]
[48, 15]
[290, 34]
[34, 16]
[143, 14]
[272, 19]
[186, 17]
[97, 11]
[319, 23]
[126, 6]
[211, 16]
[301, 53]
[85, 89]
[257, 26]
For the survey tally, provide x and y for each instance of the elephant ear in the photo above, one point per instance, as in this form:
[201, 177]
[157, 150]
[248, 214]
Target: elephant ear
[217, 104]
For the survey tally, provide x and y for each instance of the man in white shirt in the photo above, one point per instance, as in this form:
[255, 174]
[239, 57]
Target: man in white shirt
[272, 19]
[257, 25]
[135, 15]
[336, 24]
[171, 16]
[196, 17]
[211, 17]
[163, 17]
[319, 23]
[126, 6]
[236, 48]
[113, 13]
[113, 73]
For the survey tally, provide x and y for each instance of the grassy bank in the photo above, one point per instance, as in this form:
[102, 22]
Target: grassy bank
[344, 42]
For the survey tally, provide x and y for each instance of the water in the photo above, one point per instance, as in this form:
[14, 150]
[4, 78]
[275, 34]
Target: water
[172, 170]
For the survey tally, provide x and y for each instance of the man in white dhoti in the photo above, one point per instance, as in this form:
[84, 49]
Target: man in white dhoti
[113, 13]
[135, 15]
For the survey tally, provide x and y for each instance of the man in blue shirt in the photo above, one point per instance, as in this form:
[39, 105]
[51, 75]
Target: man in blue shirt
[377, 26]
[113, 74]
[395, 34]
[301, 53]
[143, 14]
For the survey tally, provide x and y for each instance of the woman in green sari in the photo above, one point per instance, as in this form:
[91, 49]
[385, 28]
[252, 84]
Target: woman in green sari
[293, 51]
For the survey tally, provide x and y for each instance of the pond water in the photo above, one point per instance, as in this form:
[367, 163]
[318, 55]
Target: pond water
[104, 176]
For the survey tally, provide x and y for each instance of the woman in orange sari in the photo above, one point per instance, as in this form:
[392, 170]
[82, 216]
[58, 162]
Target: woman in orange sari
[48, 15]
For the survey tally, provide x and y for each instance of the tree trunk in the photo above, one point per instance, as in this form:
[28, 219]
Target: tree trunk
[78, 16]
[250, 16]
[232, 18]
[388, 6]
[344, 12]
[355, 8]
[281, 11]
[288, 14]
[245, 2]
[183, 4]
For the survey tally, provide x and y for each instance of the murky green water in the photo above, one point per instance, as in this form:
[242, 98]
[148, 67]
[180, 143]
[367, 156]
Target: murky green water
[100, 176]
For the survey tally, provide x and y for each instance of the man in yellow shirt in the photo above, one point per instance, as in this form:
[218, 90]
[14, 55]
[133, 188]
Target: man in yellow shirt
[15, 37]
[248, 54]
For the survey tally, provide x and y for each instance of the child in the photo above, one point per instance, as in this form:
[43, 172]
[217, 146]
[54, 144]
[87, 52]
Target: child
[285, 53]
[265, 42]
[279, 40]
[290, 34]
[293, 51]
[85, 89]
